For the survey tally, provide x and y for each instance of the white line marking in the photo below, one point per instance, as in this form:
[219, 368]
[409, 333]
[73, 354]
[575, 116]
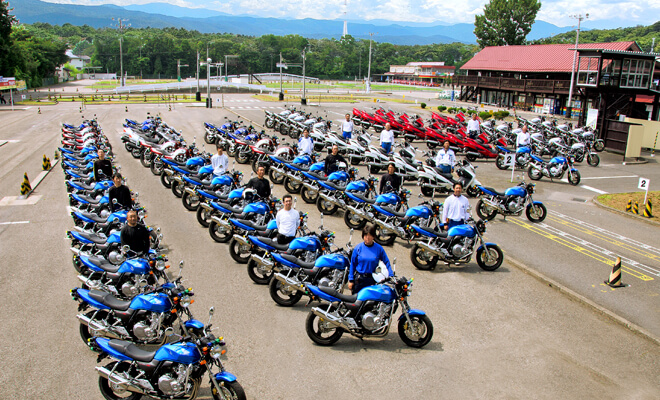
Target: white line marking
[14, 223]
[334, 112]
[611, 177]
[593, 189]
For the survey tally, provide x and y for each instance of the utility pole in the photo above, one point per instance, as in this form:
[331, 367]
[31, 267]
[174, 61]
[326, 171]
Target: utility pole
[178, 69]
[197, 71]
[303, 101]
[569, 106]
[369, 70]
[121, 27]
[281, 64]
[227, 65]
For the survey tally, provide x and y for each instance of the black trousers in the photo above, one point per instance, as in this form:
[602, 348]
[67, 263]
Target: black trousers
[362, 281]
[281, 239]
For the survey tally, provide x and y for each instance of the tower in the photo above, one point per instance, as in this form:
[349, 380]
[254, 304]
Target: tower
[345, 21]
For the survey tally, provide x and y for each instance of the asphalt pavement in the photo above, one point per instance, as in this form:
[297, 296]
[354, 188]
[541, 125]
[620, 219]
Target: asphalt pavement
[501, 334]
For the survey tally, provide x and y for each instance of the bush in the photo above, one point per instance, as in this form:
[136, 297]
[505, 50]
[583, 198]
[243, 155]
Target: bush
[451, 110]
[463, 110]
[470, 112]
[442, 108]
[423, 105]
[484, 115]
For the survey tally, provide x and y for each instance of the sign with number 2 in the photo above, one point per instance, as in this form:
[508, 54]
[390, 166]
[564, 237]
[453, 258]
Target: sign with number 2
[643, 184]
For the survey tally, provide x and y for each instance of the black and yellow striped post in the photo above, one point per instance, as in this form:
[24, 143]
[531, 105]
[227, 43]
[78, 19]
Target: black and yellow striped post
[648, 209]
[629, 206]
[25, 186]
[635, 209]
[615, 275]
[126, 108]
[57, 154]
[45, 165]
[38, 110]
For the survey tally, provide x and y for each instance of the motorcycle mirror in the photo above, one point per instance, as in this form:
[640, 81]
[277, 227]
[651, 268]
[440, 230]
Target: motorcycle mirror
[169, 331]
[350, 237]
[114, 201]
[125, 248]
[419, 196]
[181, 264]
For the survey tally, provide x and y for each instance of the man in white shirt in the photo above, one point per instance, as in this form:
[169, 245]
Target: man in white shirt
[288, 220]
[219, 162]
[305, 144]
[522, 138]
[445, 159]
[454, 210]
[473, 127]
[387, 138]
[347, 127]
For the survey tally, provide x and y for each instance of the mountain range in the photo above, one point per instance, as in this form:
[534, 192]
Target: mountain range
[162, 15]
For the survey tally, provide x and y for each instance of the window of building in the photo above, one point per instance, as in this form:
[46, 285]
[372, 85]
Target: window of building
[588, 71]
[635, 73]
[609, 73]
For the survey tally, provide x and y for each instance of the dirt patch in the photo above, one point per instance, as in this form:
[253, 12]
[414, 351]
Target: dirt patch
[619, 201]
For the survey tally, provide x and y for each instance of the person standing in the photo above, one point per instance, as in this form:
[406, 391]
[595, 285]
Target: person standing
[387, 138]
[390, 182]
[134, 235]
[454, 210]
[305, 143]
[332, 160]
[2, 99]
[347, 127]
[260, 184]
[365, 259]
[445, 159]
[288, 220]
[120, 192]
[522, 139]
[219, 161]
[473, 127]
[102, 167]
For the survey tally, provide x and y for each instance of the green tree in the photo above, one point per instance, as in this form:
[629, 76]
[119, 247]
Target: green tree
[6, 21]
[505, 22]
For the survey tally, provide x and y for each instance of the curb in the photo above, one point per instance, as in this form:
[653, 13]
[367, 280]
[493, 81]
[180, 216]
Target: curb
[627, 214]
[581, 299]
[247, 119]
[41, 178]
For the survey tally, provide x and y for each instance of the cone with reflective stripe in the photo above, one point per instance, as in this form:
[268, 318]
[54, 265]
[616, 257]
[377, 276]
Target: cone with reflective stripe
[45, 165]
[648, 210]
[25, 186]
[629, 206]
[635, 208]
[56, 154]
[615, 275]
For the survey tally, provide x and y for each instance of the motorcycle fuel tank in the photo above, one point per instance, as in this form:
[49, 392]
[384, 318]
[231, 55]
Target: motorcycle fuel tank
[462, 230]
[308, 243]
[357, 186]
[156, 302]
[184, 353]
[558, 160]
[257, 208]
[419, 211]
[382, 293]
[387, 198]
[302, 160]
[138, 266]
[516, 191]
[336, 261]
[222, 180]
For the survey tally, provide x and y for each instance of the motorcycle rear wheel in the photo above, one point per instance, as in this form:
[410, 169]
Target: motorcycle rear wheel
[422, 325]
[484, 211]
[191, 203]
[536, 212]
[208, 139]
[432, 144]
[292, 186]
[419, 260]
[230, 390]
[243, 157]
[85, 333]
[326, 207]
[471, 157]
[353, 221]
[107, 390]
[136, 152]
[156, 167]
[177, 189]
[145, 159]
[294, 134]
[276, 177]
[384, 239]
[270, 123]
[239, 252]
[258, 275]
[427, 191]
[231, 151]
[599, 145]
[166, 180]
[534, 174]
[321, 332]
[378, 130]
[283, 295]
[203, 217]
[309, 196]
[496, 255]
[219, 233]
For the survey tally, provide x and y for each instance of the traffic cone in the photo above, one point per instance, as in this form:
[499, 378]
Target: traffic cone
[25, 186]
[57, 155]
[629, 206]
[635, 209]
[615, 276]
[126, 108]
[170, 107]
[45, 165]
[648, 210]
[38, 110]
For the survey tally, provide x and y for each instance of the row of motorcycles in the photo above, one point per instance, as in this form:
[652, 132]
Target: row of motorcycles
[309, 266]
[127, 300]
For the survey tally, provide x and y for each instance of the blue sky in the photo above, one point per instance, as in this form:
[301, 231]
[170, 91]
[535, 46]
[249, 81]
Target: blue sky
[602, 13]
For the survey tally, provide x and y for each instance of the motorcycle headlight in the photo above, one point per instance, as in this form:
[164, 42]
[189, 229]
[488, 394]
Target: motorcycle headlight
[160, 265]
[185, 301]
[216, 351]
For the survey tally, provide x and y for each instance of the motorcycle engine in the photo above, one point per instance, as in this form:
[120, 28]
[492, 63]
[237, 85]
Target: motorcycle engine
[172, 384]
[147, 329]
[377, 318]
[130, 289]
[463, 248]
[332, 279]
[555, 170]
[515, 204]
[115, 257]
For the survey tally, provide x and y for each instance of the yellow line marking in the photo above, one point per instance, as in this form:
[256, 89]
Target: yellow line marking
[602, 237]
[580, 249]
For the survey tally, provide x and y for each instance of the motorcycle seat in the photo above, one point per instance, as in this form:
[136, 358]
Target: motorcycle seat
[131, 350]
[232, 208]
[352, 298]
[363, 198]
[109, 300]
[317, 176]
[252, 225]
[83, 184]
[382, 150]
[433, 231]
[309, 271]
[93, 237]
[335, 186]
[500, 194]
[273, 243]
[103, 264]
[298, 261]
[396, 213]
[94, 217]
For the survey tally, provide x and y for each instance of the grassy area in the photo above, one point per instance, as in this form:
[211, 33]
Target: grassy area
[112, 99]
[619, 201]
[348, 85]
[333, 99]
[115, 83]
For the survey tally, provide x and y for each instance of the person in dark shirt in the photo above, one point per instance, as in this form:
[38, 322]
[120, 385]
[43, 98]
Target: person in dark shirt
[119, 192]
[134, 235]
[260, 184]
[392, 178]
[102, 165]
[332, 159]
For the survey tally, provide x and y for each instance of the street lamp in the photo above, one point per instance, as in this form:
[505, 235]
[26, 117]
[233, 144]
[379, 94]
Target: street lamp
[121, 28]
[569, 107]
[209, 104]
[303, 101]
[227, 65]
[369, 70]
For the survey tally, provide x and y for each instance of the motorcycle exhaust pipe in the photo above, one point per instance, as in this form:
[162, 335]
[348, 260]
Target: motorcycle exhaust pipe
[118, 380]
[387, 227]
[430, 249]
[95, 326]
[178, 179]
[359, 213]
[75, 251]
[330, 318]
[292, 283]
[206, 206]
[242, 240]
[262, 261]
[190, 191]
[294, 178]
[472, 153]
[310, 186]
[328, 199]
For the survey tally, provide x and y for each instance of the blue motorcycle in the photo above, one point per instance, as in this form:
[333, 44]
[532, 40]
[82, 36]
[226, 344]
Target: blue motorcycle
[369, 313]
[310, 184]
[173, 371]
[511, 202]
[218, 185]
[212, 203]
[359, 208]
[555, 169]
[456, 246]
[260, 212]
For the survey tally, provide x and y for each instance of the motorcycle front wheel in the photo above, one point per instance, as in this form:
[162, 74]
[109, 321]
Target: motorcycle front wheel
[283, 295]
[231, 151]
[534, 173]
[292, 186]
[593, 160]
[418, 332]
[243, 156]
[309, 196]
[489, 257]
[384, 239]
[574, 178]
[322, 332]
[326, 207]
[472, 191]
[136, 152]
[239, 252]
[156, 167]
[229, 391]
[145, 159]
[270, 123]
[536, 212]
[190, 202]
[599, 145]
[484, 211]
[111, 391]
[258, 273]
[208, 139]
[421, 259]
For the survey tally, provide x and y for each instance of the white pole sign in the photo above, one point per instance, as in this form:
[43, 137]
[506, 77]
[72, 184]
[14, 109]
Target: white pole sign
[644, 185]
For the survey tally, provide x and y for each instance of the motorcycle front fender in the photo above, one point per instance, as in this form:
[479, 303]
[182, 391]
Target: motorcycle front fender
[487, 244]
[412, 312]
[225, 377]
